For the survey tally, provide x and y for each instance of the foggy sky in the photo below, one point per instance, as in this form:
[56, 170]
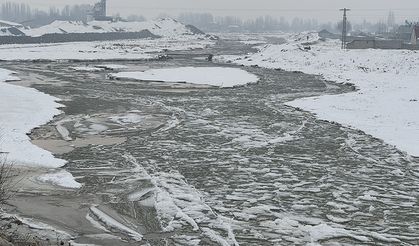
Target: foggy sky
[324, 10]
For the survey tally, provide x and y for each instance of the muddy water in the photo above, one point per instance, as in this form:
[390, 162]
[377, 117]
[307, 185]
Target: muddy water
[186, 166]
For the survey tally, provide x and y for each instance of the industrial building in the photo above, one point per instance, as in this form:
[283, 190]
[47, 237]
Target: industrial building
[407, 38]
[99, 12]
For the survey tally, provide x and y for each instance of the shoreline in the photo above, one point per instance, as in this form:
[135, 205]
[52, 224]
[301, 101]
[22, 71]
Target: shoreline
[379, 95]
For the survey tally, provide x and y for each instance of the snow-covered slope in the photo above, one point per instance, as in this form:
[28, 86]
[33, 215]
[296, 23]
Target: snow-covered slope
[387, 102]
[4, 23]
[162, 27]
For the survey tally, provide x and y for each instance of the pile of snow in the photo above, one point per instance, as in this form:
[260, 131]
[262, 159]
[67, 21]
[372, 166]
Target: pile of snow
[212, 76]
[21, 110]
[61, 178]
[162, 27]
[387, 102]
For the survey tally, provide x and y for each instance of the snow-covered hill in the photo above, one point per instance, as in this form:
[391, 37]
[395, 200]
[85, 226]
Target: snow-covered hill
[162, 27]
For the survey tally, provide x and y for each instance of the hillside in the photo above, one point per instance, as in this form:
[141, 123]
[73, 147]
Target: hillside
[162, 27]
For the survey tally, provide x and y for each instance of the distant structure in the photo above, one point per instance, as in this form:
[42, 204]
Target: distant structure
[326, 34]
[404, 32]
[415, 35]
[344, 27]
[99, 12]
[375, 43]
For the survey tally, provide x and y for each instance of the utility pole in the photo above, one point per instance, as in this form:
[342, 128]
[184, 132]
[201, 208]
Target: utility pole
[344, 27]
[104, 7]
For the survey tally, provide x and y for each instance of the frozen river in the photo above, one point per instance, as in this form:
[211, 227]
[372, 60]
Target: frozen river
[176, 165]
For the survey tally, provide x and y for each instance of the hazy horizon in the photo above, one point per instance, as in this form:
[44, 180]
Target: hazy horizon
[323, 10]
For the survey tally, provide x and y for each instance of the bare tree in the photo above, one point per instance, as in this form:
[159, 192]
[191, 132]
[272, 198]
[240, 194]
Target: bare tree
[7, 175]
[6, 180]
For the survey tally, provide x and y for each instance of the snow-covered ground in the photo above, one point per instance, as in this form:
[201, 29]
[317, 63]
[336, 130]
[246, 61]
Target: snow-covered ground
[105, 50]
[21, 110]
[386, 104]
[213, 76]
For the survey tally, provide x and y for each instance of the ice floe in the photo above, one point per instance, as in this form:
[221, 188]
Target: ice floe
[61, 178]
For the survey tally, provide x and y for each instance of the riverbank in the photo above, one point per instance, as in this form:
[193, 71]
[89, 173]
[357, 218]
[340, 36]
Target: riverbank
[386, 104]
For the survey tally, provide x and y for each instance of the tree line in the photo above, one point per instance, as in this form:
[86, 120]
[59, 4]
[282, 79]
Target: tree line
[208, 22]
[25, 14]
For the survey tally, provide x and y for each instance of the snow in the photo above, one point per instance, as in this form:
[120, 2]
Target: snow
[21, 110]
[165, 27]
[386, 104]
[88, 69]
[61, 178]
[213, 76]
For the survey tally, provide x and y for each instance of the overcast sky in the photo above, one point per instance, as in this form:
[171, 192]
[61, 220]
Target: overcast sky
[320, 9]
